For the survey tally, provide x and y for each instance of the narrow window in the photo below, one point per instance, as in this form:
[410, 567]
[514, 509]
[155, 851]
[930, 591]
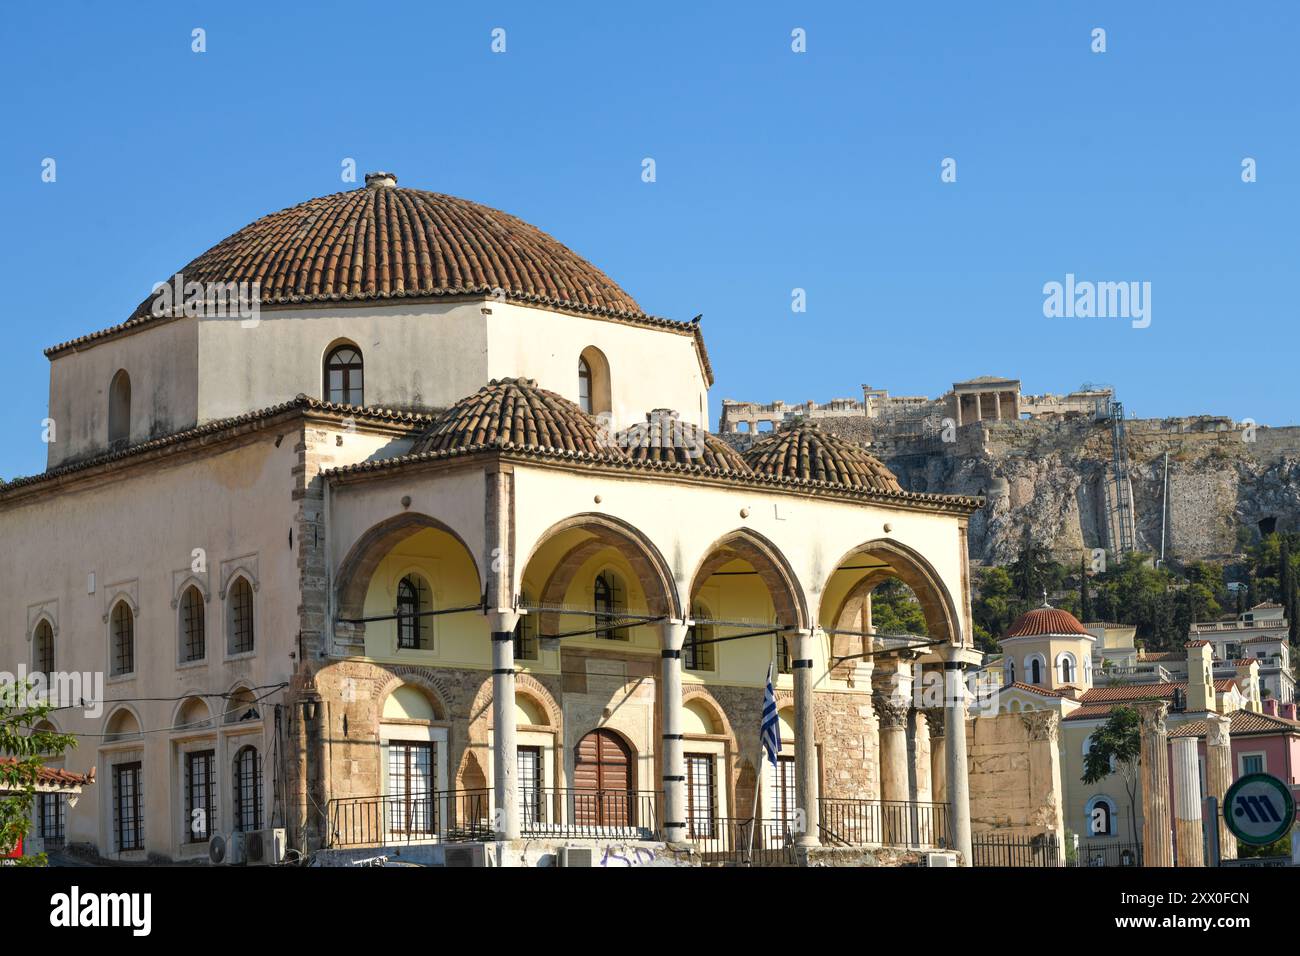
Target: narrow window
[128, 809]
[1035, 672]
[584, 385]
[699, 656]
[783, 665]
[53, 811]
[412, 601]
[609, 604]
[784, 800]
[43, 648]
[410, 787]
[123, 626]
[526, 643]
[701, 796]
[119, 409]
[530, 786]
[193, 645]
[241, 617]
[1067, 672]
[248, 790]
[200, 796]
[343, 376]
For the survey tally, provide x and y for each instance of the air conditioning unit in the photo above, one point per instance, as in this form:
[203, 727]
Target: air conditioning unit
[576, 856]
[264, 847]
[465, 854]
[226, 849]
[941, 859]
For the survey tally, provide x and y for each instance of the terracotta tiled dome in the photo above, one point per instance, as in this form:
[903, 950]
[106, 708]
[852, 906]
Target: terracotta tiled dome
[804, 451]
[1045, 620]
[386, 242]
[664, 437]
[515, 411]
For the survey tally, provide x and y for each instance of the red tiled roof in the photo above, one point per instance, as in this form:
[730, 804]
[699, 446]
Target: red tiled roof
[515, 412]
[804, 451]
[664, 437]
[1042, 621]
[1264, 640]
[1099, 701]
[1243, 722]
[56, 776]
[1197, 644]
[1163, 656]
[1034, 689]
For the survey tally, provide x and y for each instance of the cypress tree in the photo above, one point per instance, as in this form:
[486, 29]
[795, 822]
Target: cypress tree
[1085, 602]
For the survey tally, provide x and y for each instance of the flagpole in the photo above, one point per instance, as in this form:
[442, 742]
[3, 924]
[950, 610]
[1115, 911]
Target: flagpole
[758, 777]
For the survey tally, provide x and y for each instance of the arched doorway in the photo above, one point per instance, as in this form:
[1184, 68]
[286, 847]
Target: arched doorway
[604, 781]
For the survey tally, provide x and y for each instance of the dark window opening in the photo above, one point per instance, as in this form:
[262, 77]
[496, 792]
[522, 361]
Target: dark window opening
[343, 376]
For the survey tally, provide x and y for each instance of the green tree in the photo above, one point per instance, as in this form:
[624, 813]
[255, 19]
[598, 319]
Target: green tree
[1115, 748]
[24, 746]
[1085, 599]
[895, 610]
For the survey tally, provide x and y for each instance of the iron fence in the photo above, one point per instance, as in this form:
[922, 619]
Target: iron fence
[589, 814]
[746, 842]
[446, 816]
[1108, 854]
[1001, 849]
[885, 823]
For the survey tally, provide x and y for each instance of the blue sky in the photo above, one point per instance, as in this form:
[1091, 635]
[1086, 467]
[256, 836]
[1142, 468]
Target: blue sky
[775, 171]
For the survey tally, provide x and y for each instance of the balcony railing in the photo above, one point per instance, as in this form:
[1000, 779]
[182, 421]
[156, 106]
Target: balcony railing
[589, 814]
[1154, 673]
[725, 841]
[897, 823]
[440, 816]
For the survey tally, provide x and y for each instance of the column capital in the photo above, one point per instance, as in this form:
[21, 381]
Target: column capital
[1151, 715]
[934, 718]
[891, 711]
[1218, 730]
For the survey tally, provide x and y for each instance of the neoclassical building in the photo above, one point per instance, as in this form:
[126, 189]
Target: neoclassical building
[438, 546]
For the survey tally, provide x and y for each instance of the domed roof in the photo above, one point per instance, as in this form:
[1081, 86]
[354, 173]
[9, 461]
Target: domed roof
[803, 451]
[664, 437]
[514, 411]
[1044, 621]
[385, 242]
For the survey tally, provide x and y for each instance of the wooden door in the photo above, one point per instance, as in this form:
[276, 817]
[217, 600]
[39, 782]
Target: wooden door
[603, 784]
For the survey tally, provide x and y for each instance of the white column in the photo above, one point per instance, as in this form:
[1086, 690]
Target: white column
[1188, 831]
[505, 759]
[954, 719]
[673, 758]
[805, 753]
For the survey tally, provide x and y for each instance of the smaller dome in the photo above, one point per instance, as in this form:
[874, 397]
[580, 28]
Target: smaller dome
[664, 437]
[804, 451]
[1046, 621]
[514, 411]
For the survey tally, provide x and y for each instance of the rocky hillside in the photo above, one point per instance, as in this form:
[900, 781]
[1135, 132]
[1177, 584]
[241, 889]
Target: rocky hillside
[1223, 490]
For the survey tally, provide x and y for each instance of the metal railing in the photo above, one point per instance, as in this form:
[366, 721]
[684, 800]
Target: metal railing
[899, 823]
[1108, 854]
[727, 841]
[997, 849]
[589, 814]
[441, 816]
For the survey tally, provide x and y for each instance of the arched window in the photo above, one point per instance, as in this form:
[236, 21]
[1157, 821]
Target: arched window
[1011, 670]
[593, 382]
[610, 605]
[119, 408]
[1065, 667]
[242, 638]
[122, 624]
[412, 600]
[193, 644]
[43, 648]
[1035, 670]
[1100, 814]
[343, 376]
[584, 385]
[247, 779]
[696, 656]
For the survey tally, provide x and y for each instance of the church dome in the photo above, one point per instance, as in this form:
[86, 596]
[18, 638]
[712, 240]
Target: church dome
[804, 451]
[385, 242]
[664, 438]
[515, 412]
[1046, 621]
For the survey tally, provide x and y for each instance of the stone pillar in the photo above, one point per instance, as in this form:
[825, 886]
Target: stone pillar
[1218, 775]
[1157, 848]
[979, 407]
[1188, 831]
[505, 756]
[954, 697]
[805, 753]
[894, 823]
[938, 755]
[670, 715]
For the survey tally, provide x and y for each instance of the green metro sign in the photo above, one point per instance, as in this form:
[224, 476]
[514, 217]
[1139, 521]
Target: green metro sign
[1258, 809]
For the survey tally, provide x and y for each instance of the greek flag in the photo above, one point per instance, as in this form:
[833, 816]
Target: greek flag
[770, 729]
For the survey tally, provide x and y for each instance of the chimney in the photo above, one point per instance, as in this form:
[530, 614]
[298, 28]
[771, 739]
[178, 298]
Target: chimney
[1287, 711]
[381, 180]
[1248, 681]
[1270, 706]
[1200, 676]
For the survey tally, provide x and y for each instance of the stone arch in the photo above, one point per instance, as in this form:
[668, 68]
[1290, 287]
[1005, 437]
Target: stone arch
[772, 567]
[366, 553]
[785, 701]
[419, 678]
[942, 618]
[652, 571]
[116, 726]
[537, 692]
[185, 716]
[471, 775]
[698, 695]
